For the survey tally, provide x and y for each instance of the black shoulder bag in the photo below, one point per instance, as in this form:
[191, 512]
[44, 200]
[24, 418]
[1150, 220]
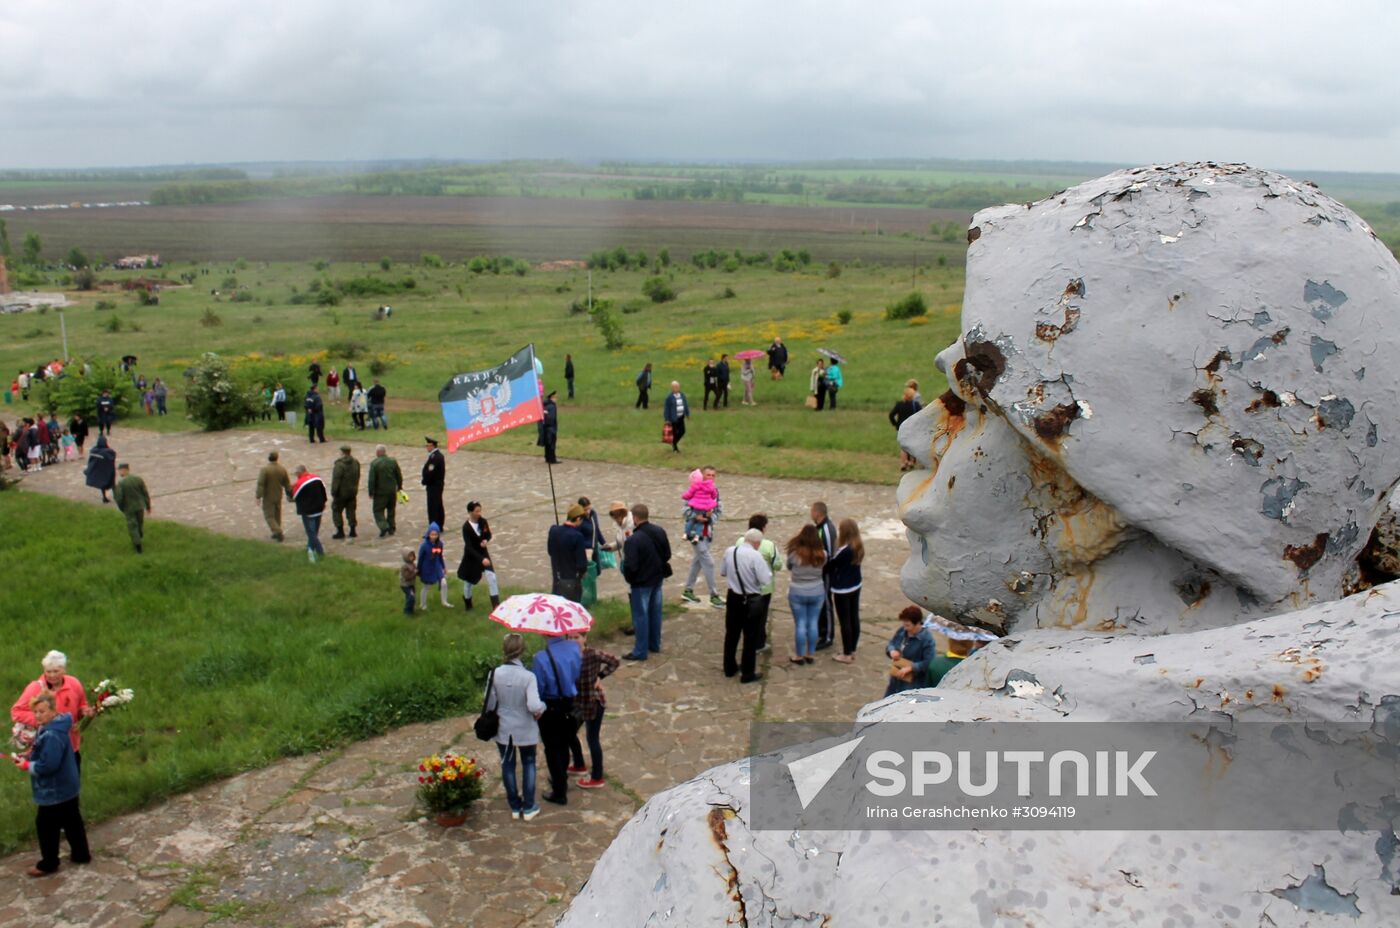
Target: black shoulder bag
[753, 602]
[489, 721]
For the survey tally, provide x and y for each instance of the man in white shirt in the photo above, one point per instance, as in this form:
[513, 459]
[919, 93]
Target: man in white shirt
[746, 573]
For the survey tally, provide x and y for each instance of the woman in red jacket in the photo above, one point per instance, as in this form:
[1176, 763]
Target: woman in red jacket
[67, 691]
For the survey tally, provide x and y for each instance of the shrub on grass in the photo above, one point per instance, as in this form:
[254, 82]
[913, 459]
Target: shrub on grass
[349, 350]
[69, 394]
[217, 399]
[209, 320]
[659, 290]
[844, 317]
[608, 324]
[907, 308]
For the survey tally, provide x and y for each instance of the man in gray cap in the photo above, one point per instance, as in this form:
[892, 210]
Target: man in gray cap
[345, 486]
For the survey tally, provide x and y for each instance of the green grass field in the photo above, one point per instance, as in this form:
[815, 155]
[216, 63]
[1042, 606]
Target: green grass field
[225, 681]
[437, 331]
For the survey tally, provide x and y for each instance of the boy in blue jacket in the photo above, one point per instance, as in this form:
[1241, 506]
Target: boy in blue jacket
[53, 778]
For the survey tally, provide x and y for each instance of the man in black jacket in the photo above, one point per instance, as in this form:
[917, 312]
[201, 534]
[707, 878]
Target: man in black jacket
[722, 381]
[375, 397]
[309, 494]
[434, 473]
[549, 429]
[106, 412]
[646, 563]
[568, 556]
[315, 416]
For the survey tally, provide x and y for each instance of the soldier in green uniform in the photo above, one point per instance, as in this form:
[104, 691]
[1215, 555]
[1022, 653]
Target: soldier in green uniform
[133, 500]
[384, 482]
[273, 484]
[345, 486]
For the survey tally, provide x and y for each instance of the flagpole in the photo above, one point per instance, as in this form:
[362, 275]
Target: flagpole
[552, 495]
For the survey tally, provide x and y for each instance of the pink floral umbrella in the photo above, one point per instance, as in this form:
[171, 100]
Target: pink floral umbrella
[749, 354]
[543, 614]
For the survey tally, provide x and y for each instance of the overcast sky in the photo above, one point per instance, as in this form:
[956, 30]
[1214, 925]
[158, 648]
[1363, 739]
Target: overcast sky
[1282, 84]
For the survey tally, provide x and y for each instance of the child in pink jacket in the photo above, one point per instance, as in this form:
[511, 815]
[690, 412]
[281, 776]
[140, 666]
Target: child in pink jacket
[700, 501]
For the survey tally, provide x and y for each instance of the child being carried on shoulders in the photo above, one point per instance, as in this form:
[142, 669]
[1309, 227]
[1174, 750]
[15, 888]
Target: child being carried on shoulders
[700, 502]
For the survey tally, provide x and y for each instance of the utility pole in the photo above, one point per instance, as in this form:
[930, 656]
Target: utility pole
[590, 291]
[63, 327]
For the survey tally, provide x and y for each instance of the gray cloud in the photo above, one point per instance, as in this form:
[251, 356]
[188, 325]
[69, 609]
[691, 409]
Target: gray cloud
[1285, 83]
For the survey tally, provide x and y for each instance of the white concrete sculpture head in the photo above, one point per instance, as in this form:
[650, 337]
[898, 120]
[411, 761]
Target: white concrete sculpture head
[1172, 406]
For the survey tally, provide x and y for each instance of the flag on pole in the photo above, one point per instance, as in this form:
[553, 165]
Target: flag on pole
[480, 404]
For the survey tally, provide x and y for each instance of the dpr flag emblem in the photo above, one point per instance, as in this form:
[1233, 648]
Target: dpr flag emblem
[480, 404]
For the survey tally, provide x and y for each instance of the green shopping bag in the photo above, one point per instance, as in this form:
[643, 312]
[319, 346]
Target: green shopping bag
[590, 585]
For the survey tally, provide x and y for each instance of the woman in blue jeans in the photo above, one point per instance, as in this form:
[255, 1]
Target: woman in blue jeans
[515, 696]
[806, 556]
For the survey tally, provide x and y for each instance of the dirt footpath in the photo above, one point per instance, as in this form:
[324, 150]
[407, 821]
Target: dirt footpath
[330, 839]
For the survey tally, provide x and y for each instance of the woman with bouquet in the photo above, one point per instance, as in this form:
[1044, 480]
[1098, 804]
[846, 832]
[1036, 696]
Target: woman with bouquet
[69, 698]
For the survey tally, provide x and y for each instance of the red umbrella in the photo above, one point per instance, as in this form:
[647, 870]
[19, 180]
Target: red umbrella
[748, 355]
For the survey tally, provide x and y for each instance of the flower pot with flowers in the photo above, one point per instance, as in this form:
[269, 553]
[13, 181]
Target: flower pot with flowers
[448, 784]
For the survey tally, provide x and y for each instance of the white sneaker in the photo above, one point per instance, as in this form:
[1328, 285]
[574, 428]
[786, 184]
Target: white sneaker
[530, 813]
[446, 604]
[311, 555]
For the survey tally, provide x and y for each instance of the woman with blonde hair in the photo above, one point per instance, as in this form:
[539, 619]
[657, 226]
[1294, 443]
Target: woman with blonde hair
[844, 571]
[806, 556]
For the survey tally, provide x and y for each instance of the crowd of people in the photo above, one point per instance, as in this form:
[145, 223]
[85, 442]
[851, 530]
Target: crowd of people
[560, 695]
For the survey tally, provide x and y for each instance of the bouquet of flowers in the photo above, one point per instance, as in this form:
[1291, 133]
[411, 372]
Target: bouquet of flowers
[448, 782]
[107, 695]
[22, 737]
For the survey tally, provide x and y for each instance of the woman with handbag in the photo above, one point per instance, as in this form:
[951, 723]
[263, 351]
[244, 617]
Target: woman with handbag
[514, 697]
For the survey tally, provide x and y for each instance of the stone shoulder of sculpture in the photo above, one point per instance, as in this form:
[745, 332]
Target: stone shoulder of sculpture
[690, 856]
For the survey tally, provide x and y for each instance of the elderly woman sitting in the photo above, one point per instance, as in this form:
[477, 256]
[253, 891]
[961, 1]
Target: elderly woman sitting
[69, 698]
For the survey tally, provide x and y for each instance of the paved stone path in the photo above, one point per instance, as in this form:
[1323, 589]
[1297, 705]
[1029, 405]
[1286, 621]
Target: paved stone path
[330, 839]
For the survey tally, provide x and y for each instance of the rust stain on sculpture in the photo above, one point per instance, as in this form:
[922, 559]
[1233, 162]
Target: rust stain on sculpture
[1052, 425]
[1305, 556]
